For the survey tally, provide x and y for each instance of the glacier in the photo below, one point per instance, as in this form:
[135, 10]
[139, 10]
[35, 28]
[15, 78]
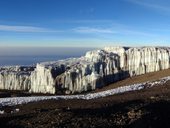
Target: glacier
[119, 90]
[95, 69]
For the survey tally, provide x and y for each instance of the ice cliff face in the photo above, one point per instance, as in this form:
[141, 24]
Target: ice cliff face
[94, 70]
[15, 78]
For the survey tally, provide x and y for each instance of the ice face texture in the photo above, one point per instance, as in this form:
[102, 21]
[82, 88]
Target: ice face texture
[94, 70]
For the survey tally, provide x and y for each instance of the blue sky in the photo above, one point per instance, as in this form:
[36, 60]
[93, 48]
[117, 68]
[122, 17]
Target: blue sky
[84, 23]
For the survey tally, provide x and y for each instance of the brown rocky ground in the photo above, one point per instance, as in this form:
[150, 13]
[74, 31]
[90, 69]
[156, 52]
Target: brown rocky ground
[143, 109]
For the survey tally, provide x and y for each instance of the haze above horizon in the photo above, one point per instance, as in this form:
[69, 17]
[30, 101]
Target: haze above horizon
[84, 23]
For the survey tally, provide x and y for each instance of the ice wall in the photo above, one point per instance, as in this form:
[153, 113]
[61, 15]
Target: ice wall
[96, 69]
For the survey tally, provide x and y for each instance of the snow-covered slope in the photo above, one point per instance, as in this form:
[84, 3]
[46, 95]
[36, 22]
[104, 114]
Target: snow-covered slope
[96, 69]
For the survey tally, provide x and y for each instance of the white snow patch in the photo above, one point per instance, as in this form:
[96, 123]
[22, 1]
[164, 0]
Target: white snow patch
[24, 100]
[2, 112]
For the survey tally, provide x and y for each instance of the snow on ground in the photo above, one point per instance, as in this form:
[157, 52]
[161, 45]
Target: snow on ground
[23, 100]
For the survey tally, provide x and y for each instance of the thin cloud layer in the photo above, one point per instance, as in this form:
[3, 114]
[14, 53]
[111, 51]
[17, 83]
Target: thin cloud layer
[23, 29]
[93, 30]
[151, 5]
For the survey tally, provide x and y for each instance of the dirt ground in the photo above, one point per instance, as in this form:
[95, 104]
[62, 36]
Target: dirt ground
[148, 108]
